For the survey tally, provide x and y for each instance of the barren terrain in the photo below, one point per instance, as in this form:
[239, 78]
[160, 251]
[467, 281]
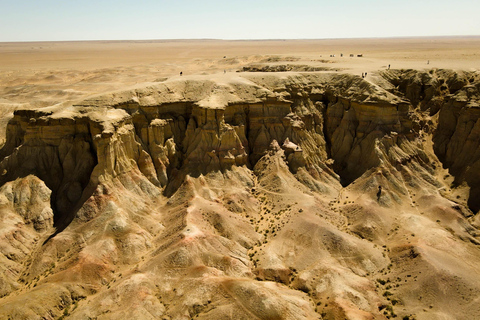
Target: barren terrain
[271, 180]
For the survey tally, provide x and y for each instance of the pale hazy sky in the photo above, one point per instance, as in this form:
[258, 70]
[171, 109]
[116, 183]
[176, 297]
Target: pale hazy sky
[37, 20]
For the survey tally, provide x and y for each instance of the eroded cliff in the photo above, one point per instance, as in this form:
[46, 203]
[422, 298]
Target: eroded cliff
[292, 196]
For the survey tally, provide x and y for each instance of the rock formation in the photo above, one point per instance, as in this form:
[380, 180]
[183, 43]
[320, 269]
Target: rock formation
[253, 197]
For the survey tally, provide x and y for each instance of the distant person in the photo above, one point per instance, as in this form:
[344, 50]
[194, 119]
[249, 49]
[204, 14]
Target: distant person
[379, 193]
[388, 67]
[181, 73]
[224, 71]
[363, 76]
[428, 62]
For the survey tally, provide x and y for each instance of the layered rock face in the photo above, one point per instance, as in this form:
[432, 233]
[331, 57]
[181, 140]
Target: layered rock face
[26, 216]
[450, 99]
[300, 196]
[457, 139]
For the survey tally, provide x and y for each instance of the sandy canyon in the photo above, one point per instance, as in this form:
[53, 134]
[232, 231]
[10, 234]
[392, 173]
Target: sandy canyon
[299, 179]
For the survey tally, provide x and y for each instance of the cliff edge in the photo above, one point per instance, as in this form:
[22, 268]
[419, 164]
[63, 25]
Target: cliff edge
[259, 195]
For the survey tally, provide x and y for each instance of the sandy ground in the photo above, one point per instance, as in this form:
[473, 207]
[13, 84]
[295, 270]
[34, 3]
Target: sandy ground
[187, 55]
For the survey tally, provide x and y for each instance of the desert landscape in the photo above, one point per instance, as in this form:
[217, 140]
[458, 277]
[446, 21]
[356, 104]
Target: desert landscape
[213, 179]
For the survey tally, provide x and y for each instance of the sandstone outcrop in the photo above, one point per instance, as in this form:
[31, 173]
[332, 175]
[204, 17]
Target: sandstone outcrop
[300, 196]
[451, 100]
[456, 140]
[26, 218]
[283, 68]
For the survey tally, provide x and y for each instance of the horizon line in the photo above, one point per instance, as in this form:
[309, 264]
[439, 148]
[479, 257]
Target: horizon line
[266, 39]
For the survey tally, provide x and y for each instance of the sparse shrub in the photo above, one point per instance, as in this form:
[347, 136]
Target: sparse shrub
[387, 294]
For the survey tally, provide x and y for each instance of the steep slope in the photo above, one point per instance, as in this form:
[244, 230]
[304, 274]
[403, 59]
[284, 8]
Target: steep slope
[264, 196]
